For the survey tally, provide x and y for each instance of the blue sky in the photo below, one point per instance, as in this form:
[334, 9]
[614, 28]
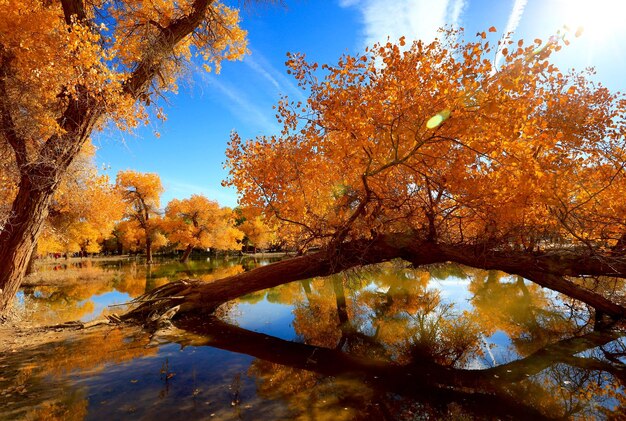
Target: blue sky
[189, 153]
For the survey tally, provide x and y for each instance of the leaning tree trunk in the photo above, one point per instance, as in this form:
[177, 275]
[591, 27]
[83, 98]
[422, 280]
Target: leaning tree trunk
[186, 254]
[30, 268]
[19, 236]
[548, 270]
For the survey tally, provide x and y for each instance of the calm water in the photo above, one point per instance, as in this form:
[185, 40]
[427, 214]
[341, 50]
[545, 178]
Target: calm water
[388, 342]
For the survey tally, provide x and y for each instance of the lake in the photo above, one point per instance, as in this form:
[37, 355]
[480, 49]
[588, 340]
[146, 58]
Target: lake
[383, 342]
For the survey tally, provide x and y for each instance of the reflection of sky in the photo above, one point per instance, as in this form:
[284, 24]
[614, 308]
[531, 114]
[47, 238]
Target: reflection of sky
[102, 301]
[453, 290]
[498, 347]
[270, 318]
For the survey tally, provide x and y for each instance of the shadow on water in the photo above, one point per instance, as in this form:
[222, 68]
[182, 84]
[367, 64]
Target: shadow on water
[387, 342]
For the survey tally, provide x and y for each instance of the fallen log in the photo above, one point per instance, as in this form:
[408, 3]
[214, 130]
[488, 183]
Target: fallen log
[549, 270]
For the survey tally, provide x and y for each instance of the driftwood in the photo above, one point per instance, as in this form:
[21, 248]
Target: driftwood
[548, 269]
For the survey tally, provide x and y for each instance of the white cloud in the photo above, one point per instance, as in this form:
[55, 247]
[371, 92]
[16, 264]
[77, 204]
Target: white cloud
[244, 108]
[455, 10]
[278, 79]
[511, 25]
[414, 19]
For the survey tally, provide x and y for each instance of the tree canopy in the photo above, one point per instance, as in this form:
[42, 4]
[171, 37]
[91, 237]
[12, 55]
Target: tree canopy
[70, 67]
[434, 140]
[200, 222]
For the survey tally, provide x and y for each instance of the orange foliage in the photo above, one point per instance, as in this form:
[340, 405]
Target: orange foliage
[97, 53]
[198, 222]
[141, 192]
[258, 233]
[432, 139]
[83, 211]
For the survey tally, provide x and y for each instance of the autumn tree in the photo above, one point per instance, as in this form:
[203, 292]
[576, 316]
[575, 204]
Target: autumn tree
[198, 222]
[142, 193]
[258, 233]
[96, 63]
[431, 138]
[430, 153]
[82, 212]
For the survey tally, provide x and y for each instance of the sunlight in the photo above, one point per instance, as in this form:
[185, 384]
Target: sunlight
[600, 19]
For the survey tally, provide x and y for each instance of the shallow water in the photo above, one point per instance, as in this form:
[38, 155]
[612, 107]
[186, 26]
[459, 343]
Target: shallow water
[386, 342]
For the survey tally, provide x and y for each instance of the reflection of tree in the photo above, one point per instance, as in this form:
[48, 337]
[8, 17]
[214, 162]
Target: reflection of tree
[279, 366]
[37, 378]
[524, 312]
[65, 294]
[389, 315]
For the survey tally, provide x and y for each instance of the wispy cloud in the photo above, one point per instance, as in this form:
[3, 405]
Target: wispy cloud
[241, 106]
[511, 25]
[414, 19]
[281, 83]
[455, 10]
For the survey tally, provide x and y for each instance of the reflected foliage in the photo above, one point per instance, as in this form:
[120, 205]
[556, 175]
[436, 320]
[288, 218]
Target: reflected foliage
[395, 315]
[62, 292]
[384, 342]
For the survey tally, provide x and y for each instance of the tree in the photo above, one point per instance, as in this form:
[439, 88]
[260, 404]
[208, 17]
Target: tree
[198, 222]
[95, 63]
[83, 211]
[429, 153]
[429, 139]
[141, 192]
[257, 232]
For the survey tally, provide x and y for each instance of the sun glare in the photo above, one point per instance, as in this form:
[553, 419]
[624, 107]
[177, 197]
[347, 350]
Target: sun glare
[599, 19]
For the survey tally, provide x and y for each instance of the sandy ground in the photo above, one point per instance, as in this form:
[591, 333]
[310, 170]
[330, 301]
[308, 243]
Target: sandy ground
[16, 334]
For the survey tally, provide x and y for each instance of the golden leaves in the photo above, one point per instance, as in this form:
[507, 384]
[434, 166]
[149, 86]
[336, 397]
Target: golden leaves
[51, 65]
[201, 223]
[361, 154]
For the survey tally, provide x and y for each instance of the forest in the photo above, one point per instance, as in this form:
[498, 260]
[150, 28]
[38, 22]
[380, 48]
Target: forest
[422, 152]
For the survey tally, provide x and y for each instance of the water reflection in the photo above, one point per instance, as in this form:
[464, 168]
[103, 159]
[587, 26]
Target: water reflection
[83, 290]
[389, 342]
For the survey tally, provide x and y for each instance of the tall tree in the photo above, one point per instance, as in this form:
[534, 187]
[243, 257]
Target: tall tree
[427, 152]
[142, 193]
[200, 222]
[95, 63]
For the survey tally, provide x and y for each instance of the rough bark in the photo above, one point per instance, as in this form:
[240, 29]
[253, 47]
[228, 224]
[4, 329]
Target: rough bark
[547, 270]
[40, 172]
[30, 268]
[19, 236]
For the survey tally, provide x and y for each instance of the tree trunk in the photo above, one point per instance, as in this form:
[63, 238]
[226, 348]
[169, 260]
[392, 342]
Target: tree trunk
[19, 236]
[148, 249]
[340, 298]
[549, 271]
[31, 262]
[186, 254]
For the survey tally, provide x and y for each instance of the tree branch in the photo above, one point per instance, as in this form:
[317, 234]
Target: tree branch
[8, 126]
[168, 37]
